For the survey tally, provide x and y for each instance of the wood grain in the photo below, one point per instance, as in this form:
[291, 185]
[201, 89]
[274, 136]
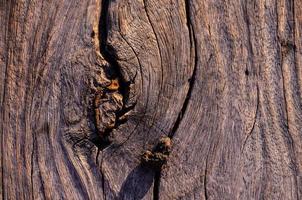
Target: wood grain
[88, 86]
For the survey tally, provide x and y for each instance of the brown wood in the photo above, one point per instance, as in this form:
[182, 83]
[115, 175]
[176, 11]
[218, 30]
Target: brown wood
[87, 87]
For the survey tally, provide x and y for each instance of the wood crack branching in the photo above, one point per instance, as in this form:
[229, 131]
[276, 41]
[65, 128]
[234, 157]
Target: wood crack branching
[250, 57]
[254, 122]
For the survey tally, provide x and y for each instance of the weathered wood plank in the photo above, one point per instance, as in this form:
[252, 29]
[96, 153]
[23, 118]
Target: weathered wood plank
[88, 86]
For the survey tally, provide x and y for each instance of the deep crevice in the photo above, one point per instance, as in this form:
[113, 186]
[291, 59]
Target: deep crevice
[109, 54]
[191, 80]
[193, 77]
[156, 185]
[103, 186]
[97, 156]
[113, 72]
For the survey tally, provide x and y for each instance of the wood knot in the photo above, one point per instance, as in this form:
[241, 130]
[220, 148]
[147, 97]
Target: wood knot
[158, 157]
[107, 103]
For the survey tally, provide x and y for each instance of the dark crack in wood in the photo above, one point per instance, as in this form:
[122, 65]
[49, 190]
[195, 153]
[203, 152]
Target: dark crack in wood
[113, 72]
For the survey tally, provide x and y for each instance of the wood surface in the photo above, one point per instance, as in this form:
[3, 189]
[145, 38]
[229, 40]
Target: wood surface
[88, 86]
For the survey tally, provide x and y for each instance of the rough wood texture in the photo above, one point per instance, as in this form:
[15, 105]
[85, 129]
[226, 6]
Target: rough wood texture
[88, 86]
